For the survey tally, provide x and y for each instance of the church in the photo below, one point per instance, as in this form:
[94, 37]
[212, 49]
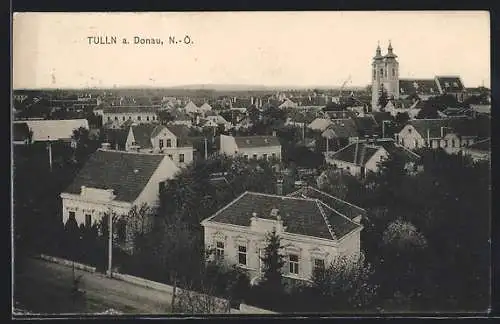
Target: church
[385, 75]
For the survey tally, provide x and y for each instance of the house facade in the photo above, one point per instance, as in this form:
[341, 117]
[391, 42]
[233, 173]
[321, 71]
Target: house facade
[171, 140]
[448, 134]
[362, 157]
[114, 182]
[116, 116]
[52, 130]
[312, 233]
[251, 147]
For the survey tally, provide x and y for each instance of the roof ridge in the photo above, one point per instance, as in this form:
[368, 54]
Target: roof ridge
[336, 211]
[278, 196]
[331, 196]
[328, 225]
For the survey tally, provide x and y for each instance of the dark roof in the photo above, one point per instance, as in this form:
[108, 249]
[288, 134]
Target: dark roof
[256, 141]
[484, 145]
[21, 131]
[365, 125]
[341, 128]
[130, 109]
[356, 153]
[182, 134]
[380, 116]
[450, 83]
[115, 136]
[395, 149]
[418, 86]
[300, 215]
[124, 172]
[349, 210]
[462, 126]
[340, 114]
[144, 132]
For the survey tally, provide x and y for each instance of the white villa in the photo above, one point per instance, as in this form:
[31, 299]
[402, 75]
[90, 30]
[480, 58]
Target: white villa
[312, 232]
[251, 147]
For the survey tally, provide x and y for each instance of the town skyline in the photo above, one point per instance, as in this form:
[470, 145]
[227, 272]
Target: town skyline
[294, 53]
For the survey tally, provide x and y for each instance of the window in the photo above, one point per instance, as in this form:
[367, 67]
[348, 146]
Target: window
[109, 118]
[245, 156]
[452, 143]
[374, 74]
[147, 118]
[129, 117]
[264, 156]
[416, 143]
[170, 156]
[88, 220]
[293, 262]
[242, 255]
[219, 250]
[274, 156]
[153, 117]
[138, 117]
[393, 72]
[255, 156]
[116, 118]
[318, 265]
[123, 118]
[169, 143]
[161, 144]
[445, 143]
[181, 158]
[72, 215]
[381, 72]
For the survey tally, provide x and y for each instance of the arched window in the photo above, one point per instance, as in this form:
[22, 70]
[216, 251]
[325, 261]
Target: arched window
[393, 72]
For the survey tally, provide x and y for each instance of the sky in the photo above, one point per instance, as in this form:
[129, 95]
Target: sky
[52, 50]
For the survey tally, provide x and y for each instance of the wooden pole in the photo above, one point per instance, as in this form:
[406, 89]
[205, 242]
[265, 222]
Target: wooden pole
[110, 245]
[50, 154]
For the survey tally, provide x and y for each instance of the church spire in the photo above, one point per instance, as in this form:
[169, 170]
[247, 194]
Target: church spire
[390, 54]
[378, 52]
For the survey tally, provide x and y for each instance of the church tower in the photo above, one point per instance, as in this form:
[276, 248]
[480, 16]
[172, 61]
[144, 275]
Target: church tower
[377, 76]
[385, 73]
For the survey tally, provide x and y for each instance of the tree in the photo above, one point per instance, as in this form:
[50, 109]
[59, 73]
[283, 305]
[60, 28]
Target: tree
[273, 262]
[333, 182]
[165, 116]
[346, 284]
[383, 98]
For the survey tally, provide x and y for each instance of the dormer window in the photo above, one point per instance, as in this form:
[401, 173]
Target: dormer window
[169, 143]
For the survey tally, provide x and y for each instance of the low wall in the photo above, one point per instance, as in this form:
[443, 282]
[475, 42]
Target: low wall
[247, 309]
[68, 263]
[144, 282]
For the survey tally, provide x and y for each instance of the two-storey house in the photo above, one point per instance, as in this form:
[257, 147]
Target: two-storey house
[113, 182]
[171, 140]
[251, 147]
[116, 116]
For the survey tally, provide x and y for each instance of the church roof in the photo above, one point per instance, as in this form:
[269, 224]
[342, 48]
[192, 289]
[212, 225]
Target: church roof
[450, 83]
[418, 86]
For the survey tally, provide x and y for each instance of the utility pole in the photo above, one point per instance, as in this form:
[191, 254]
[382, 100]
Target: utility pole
[49, 147]
[110, 245]
[206, 149]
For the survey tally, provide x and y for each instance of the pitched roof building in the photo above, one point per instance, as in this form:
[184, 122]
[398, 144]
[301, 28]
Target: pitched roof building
[312, 232]
[114, 182]
[257, 147]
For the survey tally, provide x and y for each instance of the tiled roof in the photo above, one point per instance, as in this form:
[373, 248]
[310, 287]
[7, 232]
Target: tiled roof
[450, 83]
[256, 141]
[349, 210]
[463, 126]
[418, 86]
[182, 134]
[341, 128]
[301, 216]
[142, 134]
[54, 129]
[130, 109]
[126, 173]
[356, 153]
[380, 116]
[395, 149]
[21, 131]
